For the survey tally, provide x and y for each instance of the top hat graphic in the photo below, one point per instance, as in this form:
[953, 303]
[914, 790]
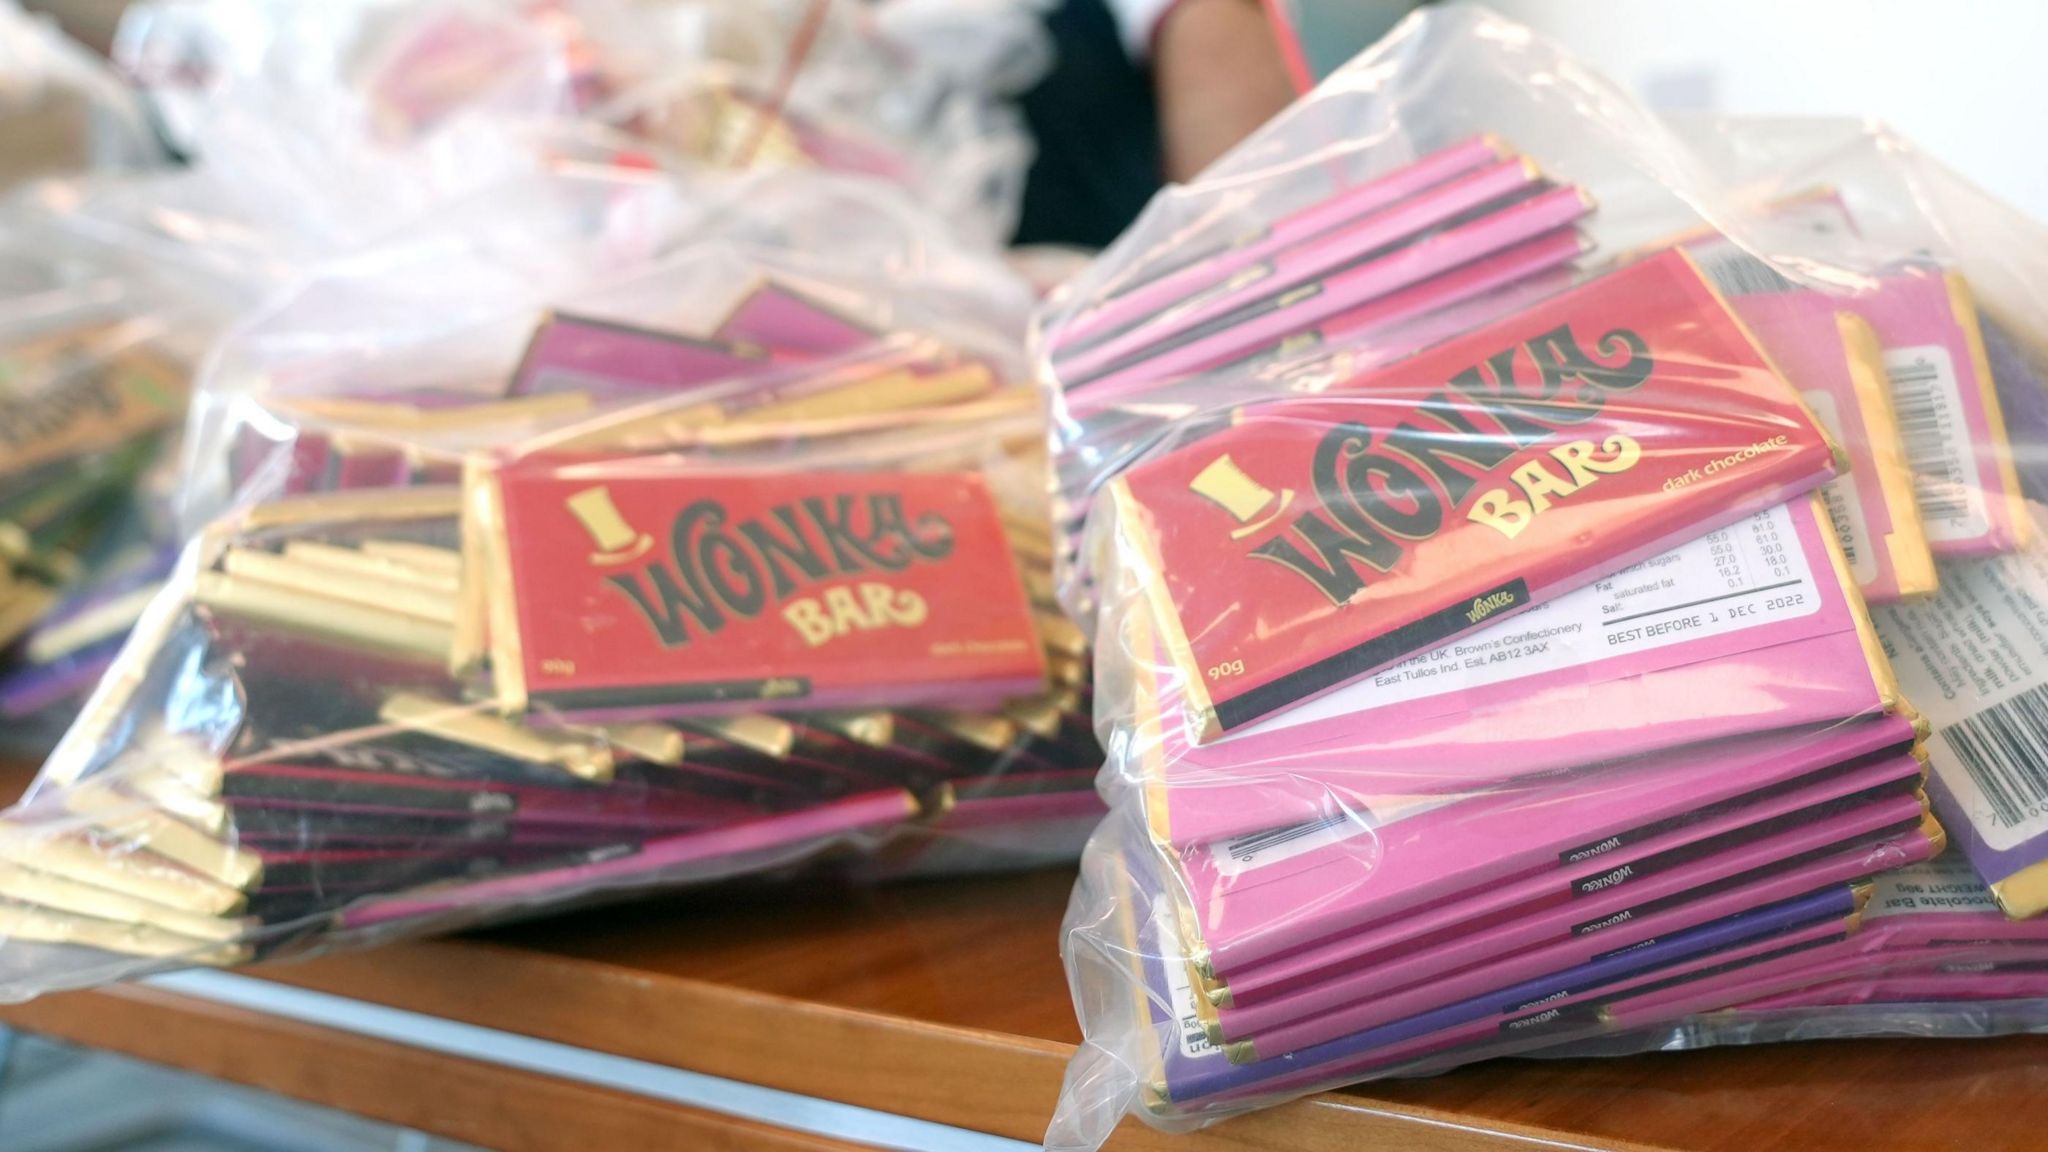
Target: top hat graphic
[1247, 500]
[617, 542]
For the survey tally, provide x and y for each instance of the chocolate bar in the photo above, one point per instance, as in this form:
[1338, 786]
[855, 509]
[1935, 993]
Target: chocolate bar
[1679, 644]
[1152, 314]
[1538, 1008]
[821, 590]
[1977, 653]
[720, 849]
[779, 316]
[1850, 858]
[606, 359]
[1345, 965]
[1943, 393]
[1653, 823]
[1833, 356]
[82, 391]
[1372, 566]
[1236, 325]
[1182, 266]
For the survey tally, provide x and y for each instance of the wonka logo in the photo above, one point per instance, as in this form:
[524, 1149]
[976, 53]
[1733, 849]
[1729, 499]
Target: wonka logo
[718, 570]
[1379, 488]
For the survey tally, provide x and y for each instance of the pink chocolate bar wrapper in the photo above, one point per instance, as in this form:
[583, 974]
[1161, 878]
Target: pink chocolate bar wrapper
[1161, 310]
[575, 353]
[1257, 322]
[1918, 988]
[1593, 910]
[777, 317]
[1157, 287]
[1522, 864]
[1833, 867]
[1373, 333]
[1943, 393]
[1947, 403]
[1829, 354]
[1567, 1008]
[1614, 677]
[787, 830]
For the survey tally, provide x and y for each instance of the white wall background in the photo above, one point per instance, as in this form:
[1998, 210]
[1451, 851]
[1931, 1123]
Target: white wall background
[1966, 79]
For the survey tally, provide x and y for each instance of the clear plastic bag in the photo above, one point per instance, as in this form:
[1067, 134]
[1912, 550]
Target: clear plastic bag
[1533, 562]
[544, 554]
[910, 93]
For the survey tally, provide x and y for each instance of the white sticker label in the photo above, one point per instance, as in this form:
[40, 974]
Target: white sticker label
[1180, 988]
[1844, 499]
[1944, 884]
[1264, 849]
[1936, 432]
[1974, 660]
[1747, 575]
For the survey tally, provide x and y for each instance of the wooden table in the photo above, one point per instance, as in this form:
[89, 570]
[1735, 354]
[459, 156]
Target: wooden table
[946, 1003]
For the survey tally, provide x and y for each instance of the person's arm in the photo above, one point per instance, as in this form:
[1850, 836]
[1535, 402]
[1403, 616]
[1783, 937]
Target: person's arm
[1219, 74]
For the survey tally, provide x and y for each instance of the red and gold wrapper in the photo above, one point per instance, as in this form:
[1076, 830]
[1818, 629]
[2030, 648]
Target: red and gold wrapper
[627, 590]
[1319, 540]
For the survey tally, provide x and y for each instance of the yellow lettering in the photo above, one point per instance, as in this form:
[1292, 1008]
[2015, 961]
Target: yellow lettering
[809, 621]
[846, 614]
[863, 607]
[1498, 510]
[1538, 483]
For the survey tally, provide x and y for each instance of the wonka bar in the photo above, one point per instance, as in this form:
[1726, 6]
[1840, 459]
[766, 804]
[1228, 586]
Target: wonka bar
[1833, 356]
[1538, 1021]
[1189, 1069]
[1943, 392]
[1651, 659]
[819, 590]
[1148, 316]
[1396, 955]
[1429, 878]
[1849, 860]
[1989, 750]
[1610, 899]
[1372, 566]
[722, 850]
[1235, 326]
[1184, 266]
[1535, 1010]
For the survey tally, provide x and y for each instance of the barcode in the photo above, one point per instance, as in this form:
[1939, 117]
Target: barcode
[2004, 749]
[1737, 273]
[1245, 848]
[1939, 485]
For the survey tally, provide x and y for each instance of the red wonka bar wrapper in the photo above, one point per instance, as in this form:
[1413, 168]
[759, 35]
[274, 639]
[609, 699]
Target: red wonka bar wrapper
[632, 590]
[1321, 540]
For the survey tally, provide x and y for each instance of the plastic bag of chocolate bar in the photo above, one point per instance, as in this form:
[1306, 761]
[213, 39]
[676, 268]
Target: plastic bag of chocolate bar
[1545, 576]
[522, 582]
[909, 93]
[1954, 947]
[62, 111]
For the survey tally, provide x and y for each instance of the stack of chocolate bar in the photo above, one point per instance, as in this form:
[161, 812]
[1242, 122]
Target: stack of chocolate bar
[690, 608]
[83, 408]
[1509, 679]
[1338, 285]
